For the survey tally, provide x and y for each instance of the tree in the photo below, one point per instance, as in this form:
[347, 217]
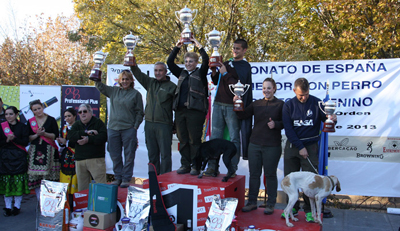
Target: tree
[343, 29]
[159, 29]
[45, 56]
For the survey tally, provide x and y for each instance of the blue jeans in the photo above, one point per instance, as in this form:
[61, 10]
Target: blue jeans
[222, 115]
[128, 140]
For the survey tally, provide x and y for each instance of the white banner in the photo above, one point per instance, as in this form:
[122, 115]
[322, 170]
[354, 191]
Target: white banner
[49, 95]
[368, 125]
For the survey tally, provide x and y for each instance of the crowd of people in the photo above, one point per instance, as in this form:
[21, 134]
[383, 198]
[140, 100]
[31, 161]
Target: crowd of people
[79, 157]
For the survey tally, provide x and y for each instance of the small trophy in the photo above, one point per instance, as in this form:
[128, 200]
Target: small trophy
[330, 106]
[239, 90]
[130, 42]
[214, 38]
[185, 16]
[99, 58]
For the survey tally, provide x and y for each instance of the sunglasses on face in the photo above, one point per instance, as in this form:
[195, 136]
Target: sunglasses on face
[83, 111]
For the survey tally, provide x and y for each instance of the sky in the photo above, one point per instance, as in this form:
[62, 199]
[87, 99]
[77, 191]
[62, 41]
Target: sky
[17, 11]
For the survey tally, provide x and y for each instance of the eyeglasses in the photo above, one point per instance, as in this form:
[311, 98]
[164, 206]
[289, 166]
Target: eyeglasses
[84, 111]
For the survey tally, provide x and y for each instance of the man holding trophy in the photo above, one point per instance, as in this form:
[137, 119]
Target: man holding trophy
[302, 119]
[158, 115]
[234, 70]
[190, 103]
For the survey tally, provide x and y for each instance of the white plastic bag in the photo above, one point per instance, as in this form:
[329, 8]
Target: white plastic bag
[221, 214]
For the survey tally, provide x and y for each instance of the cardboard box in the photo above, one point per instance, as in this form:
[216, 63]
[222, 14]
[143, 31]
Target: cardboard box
[99, 220]
[207, 188]
[179, 227]
[93, 229]
[102, 197]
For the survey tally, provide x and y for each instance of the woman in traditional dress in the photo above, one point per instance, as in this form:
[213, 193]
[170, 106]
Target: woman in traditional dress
[43, 154]
[67, 156]
[13, 161]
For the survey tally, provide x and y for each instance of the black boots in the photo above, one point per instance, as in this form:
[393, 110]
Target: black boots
[8, 212]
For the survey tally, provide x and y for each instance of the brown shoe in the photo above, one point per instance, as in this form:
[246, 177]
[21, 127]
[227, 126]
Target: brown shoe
[116, 182]
[249, 207]
[194, 172]
[183, 170]
[125, 184]
[269, 210]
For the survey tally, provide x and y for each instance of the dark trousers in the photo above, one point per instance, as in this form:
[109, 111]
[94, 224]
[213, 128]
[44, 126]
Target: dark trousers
[189, 129]
[126, 139]
[158, 142]
[267, 157]
[293, 162]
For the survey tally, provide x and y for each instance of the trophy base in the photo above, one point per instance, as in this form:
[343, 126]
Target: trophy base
[238, 106]
[130, 61]
[95, 75]
[185, 38]
[215, 61]
[329, 127]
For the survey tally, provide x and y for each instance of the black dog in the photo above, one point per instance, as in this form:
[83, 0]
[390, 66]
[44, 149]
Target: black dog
[212, 150]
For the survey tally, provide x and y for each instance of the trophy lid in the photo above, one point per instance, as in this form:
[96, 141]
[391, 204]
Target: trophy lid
[238, 85]
[100, 55]
[214, 33]
[185, 10]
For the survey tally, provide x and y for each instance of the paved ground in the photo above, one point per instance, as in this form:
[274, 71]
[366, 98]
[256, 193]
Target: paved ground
[343, 220]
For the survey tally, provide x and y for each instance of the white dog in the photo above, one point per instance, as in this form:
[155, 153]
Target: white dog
[315, 186]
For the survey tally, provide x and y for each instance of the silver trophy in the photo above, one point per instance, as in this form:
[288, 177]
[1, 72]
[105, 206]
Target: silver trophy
[99, 58]
[214, 38]
[330, 107]
[239, 90]
[186, 17]
[130, 42]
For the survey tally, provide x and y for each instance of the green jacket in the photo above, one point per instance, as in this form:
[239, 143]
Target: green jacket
[126, 107]
[159, 97]
[96, 147]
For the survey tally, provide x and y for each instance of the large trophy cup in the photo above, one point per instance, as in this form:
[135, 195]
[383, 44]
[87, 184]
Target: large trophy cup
[99, 58]
[239, 90]
[330, 107]
[214, 38]
[185, 16]
[130, 42]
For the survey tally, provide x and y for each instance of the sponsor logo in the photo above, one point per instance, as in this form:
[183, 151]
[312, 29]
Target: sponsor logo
[94, 220]
[201, 209]
[198, 191]
[309, 113]
[392, 148]
[210, 189]
[370, 156]
[79, 195]
[171, 185]
[342, 146]
[299, 123]
[199, 201]
[208, 199]
[201, 219]
[369, 146]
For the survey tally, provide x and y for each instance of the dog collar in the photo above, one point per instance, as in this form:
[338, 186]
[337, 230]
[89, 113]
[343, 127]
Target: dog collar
[333, 183]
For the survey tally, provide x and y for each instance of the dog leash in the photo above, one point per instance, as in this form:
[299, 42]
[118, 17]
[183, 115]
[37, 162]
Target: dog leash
[312, 165]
